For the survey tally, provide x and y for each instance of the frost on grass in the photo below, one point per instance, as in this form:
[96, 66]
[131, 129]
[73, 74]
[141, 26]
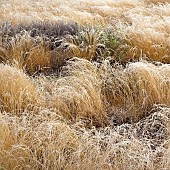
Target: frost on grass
[45, 141]
[95, 111]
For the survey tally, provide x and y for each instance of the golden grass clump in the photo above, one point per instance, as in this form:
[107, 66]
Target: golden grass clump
[77, 95]
[149, 44]
[26, 53]
[17, 92]
[132, 91]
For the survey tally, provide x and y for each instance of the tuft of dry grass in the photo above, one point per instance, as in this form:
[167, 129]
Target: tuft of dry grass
[148, 32]
[17, 91]
[26, 53]
[77, 95]
[132, 91]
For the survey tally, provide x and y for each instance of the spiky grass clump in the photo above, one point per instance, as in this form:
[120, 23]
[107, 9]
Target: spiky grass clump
[97, 44]
[17, 92]
[84, 45]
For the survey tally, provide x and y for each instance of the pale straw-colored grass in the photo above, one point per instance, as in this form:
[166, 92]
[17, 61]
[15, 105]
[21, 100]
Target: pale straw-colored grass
[17, 91]
[133, 91]
[83, 114]
[74, 128]
[43, 141]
